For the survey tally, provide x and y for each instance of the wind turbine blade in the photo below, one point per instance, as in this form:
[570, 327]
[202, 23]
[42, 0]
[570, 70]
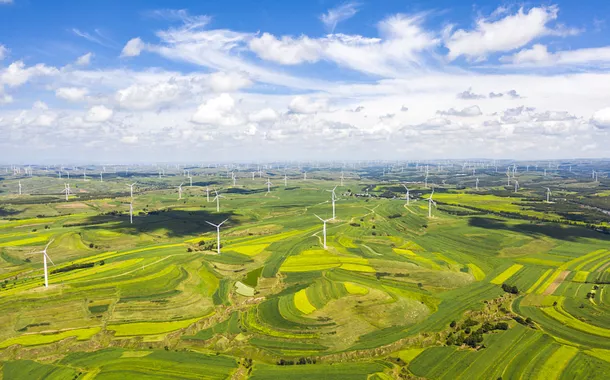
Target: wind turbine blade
[223, 222]
[320, 218]
[211, 224]
[49, 259]
[48, 244]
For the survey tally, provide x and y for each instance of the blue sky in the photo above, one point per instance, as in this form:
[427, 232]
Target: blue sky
[135, 80]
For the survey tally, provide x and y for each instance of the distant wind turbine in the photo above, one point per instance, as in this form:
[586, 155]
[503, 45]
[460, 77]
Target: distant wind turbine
[407, 194]
[19, 187]
[333, 198]
[217, 199]
[180, 191]
[131, 189]
[430, 203]
[217, 232]
[548, 195]
[67, 190]
[477, 185]
[268, 183]
[131, 213]
[516, 186]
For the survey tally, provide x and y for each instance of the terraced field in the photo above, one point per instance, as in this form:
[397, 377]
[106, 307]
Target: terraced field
[491, 286]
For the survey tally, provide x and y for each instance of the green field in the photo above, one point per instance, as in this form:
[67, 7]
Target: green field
[492, 286]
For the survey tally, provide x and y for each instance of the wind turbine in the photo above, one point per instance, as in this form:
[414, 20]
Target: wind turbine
[304, 176]
[407, 195]
[217, 232]
[324, 228]
[342, 178]
[207, 193]
[217, 199]
[131, 213]
[333, 198]
[19, 187]
[548, 195]
[426, 181]
[477, 184]
[190, 181]
[180, 191]
[234, 179]
[45, 256]
[516, 186]
[131, 189]
[84, 174]
[253, 174]
[67, 190]
[268, 183]
[508, 176]
[285, 180]
[101, 177]
[430, 203]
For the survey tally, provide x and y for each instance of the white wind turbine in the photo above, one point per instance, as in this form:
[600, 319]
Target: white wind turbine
[190, 180]
[426, 181]
[253, 174]
[342, 178]
[217, 233]
[285, 180]
[131, 213]
[67, 190]
[207, 193]
[324, 228]
[217, 199]
[516, 186]
[268, 183]
[406, 195]
[101, 176]
[180, 191]
[45, 256]
[131, 189]
[234, 179]
[19, 187]
[548, 195]
[333, 198]
[477, 184]
[84, 174]
[508, 176]
[304, 176]
[430, 203]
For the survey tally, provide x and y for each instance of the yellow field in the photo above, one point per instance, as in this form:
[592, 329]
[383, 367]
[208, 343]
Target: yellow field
[508, 273]
[28, 241]
[549, 281]
[476, 272]
[44, 338]
[355, 288]
[580, 276]
[319, 259]
[406, 252]
[554, 366]
[302, 302]
[248, 250]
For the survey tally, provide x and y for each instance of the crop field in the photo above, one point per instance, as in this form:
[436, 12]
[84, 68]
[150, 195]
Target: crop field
[493, 285]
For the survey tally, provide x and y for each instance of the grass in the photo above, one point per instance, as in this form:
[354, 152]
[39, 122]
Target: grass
[302, 302]
[477, 272]
[36, 339]
[151, 328]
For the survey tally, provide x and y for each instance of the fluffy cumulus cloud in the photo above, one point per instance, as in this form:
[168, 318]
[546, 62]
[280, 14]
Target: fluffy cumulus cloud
[601, 118]
[465, 112]
[306, 105]
[99, 114]
[228, 82]
[133, 47]
[72, 94]
[287, 50]
[148, 96]
[17, 74]
[264, 115]
[508, 33]
[218, 111]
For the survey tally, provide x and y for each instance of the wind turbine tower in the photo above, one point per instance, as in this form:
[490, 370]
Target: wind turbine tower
[217, 233]
[407, 194]
[430, 203]
[324, 228]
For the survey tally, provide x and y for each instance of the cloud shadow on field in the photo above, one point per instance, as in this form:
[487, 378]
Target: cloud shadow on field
[177, 223]
[552, 230]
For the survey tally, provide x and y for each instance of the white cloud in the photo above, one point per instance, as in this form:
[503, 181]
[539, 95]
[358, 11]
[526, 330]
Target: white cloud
[84, 60]
[341, 13]
[219, 111]
[264, 115]
[17, 74]
[148, 96]
[306, 105]
[287, 50]
[98, 114]
[538, 55]
[601, 118]
[228, 82]
[72, 94]
[131, 139]
[133, 48]
[508, 33]
[3, 52]
[469, 95]
[39, 105]
[465, 112]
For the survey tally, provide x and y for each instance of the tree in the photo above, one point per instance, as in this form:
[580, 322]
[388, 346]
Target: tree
[453, 324]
